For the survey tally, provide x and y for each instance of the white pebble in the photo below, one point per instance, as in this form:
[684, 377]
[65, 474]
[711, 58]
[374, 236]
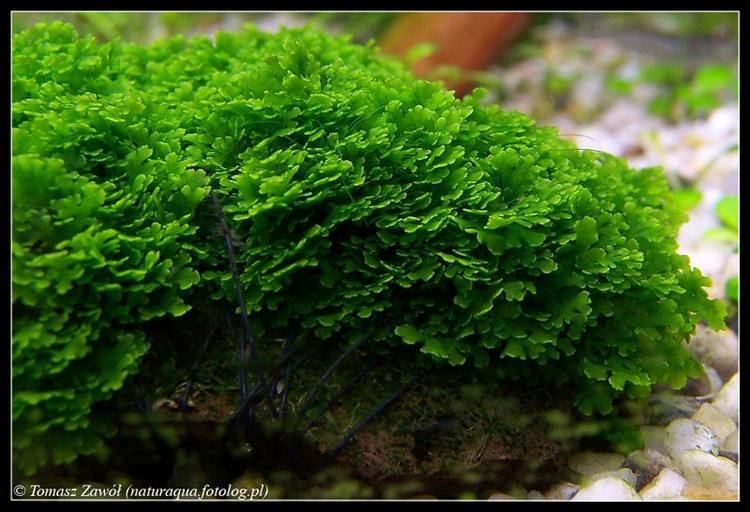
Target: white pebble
[714, 419]
[499, 496]
[708, 471]
[731, 443]
[591, 463]
[625, 474]
[711, 258]
[724, 120]
[562, 491]
[714, 380]
[646, 464]
[607, 489]
[707, 385]
[534, 495]
[717, 349]
[667, 484]
[727, 400]
[684, 434]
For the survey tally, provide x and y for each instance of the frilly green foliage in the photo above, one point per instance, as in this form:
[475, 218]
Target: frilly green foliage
[102, 204]
[367, 201]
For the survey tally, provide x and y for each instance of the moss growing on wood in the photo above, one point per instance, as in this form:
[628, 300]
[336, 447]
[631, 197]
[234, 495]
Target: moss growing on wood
[362, 200]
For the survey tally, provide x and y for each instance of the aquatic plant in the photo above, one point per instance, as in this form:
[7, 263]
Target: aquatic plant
[366, 207]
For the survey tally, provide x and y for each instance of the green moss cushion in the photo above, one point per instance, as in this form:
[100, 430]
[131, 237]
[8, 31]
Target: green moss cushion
[367, 201]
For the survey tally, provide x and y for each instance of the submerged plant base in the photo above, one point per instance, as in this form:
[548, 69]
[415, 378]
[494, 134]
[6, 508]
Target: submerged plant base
[452, 434]
[422, 445]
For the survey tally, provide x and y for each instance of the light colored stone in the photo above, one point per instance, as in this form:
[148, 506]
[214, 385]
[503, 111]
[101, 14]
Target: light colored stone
[684, 434]
[717, 349]
[714, 379]
[607, 489]
[713, 418]
[591, 463]
[500, 496]
[703, 470]
[708, 384]
[710, 347]
[666, 407]
[653, 437]
[727, 400]
[625, 474]
[534, 495]
[694, 493]
[646, 465]
[562, 491]
[731, 443]
[667, 484]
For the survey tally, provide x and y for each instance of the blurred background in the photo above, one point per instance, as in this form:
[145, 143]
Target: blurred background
[659, 89]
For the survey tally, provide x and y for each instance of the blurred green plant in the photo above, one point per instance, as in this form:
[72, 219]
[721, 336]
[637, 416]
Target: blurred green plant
[727, 211]
[687, 198]
[733, 289]
[419, 52]
[558, 84]
[362, 26]
[621, 432]
[618, 85]
[104, 26]
[680, 24]
[141, 27]
[683, 93]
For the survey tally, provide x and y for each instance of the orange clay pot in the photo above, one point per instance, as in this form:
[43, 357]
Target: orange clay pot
[469, 41]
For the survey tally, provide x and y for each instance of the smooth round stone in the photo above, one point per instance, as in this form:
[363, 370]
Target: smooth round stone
[646, 465]
[684, 434]
[534, 495]
[694, 493]
[727, 400]
[591, 463]
[667, 484]
[708, 384]
[731, 442]
[717, 349]
[562, 491]
[667, 407]
[714, 419]
[607, 489]
[706, 471]
[499, 496]
[625, 474]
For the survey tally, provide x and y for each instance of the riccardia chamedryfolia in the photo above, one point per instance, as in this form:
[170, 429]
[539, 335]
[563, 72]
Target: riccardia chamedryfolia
[366, 200]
